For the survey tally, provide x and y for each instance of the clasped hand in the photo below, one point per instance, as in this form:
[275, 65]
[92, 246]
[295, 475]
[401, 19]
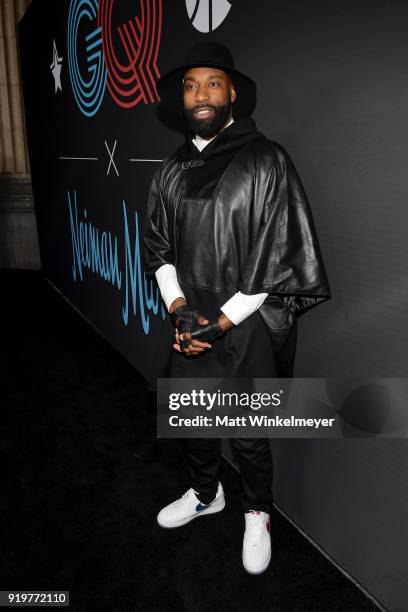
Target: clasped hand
[194, 332]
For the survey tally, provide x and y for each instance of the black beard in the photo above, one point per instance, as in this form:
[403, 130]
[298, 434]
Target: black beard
[207, 128]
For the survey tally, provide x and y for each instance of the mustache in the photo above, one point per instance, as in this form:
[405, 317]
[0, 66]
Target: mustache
[204, 106]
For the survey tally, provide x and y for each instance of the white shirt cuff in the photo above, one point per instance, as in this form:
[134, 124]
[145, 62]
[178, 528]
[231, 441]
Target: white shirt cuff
[170, 290]
[241, 306]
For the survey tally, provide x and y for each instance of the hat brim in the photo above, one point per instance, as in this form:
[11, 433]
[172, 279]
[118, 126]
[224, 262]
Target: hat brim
[170, 88]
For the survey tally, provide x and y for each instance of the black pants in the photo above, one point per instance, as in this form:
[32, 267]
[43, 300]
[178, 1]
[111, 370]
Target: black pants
[246, 351]
[255, 462]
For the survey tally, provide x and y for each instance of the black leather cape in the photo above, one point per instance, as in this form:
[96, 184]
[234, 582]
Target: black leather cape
[236, 217]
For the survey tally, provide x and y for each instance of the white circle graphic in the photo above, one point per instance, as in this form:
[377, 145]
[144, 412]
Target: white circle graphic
[207, 15]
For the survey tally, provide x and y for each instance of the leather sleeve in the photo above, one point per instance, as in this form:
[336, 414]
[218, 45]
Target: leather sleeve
[157, 248]
[285, 258]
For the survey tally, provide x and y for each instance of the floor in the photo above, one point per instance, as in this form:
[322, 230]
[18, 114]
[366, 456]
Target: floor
[84, 477]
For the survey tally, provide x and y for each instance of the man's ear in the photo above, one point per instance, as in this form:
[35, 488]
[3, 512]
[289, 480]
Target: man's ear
[233, 93]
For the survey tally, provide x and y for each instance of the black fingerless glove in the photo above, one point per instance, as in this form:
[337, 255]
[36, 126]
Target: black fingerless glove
[207, 333]
[185, 318]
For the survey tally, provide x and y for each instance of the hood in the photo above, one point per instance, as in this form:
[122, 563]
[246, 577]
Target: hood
[234, 137]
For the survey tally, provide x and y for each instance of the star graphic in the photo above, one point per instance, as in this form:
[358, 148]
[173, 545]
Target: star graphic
[56, 68]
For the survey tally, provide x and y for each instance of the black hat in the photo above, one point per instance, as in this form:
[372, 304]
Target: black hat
[211, 55]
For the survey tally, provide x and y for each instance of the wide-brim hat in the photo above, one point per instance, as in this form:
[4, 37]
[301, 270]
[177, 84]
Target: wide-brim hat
[209, 55]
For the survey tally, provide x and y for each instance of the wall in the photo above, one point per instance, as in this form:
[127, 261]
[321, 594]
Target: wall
[332, 90]
[18, 229]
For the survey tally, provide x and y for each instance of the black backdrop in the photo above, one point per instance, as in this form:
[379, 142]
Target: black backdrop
[332, 90]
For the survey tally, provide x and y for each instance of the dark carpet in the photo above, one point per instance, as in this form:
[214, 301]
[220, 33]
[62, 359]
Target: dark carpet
[84, 477]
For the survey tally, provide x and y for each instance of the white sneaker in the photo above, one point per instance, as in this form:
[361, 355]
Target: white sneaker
[188, 507]
[256, 549]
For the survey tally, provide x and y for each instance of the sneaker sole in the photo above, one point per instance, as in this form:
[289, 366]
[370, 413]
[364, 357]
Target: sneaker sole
[260, 571]
[211, 510]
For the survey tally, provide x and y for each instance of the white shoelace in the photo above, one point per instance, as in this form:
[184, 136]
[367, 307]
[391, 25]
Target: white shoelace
[186, 496]
[254, 527]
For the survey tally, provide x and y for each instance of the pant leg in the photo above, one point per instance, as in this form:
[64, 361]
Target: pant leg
[255, 462]
[204, 459]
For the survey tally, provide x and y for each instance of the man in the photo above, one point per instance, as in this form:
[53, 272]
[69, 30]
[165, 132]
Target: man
[230, 238]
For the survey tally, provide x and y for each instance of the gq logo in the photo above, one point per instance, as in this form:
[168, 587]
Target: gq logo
[207, 15]
[129, 82]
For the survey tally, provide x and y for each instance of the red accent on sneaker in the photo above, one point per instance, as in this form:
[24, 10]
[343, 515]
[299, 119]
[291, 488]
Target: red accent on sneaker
[268, 526]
